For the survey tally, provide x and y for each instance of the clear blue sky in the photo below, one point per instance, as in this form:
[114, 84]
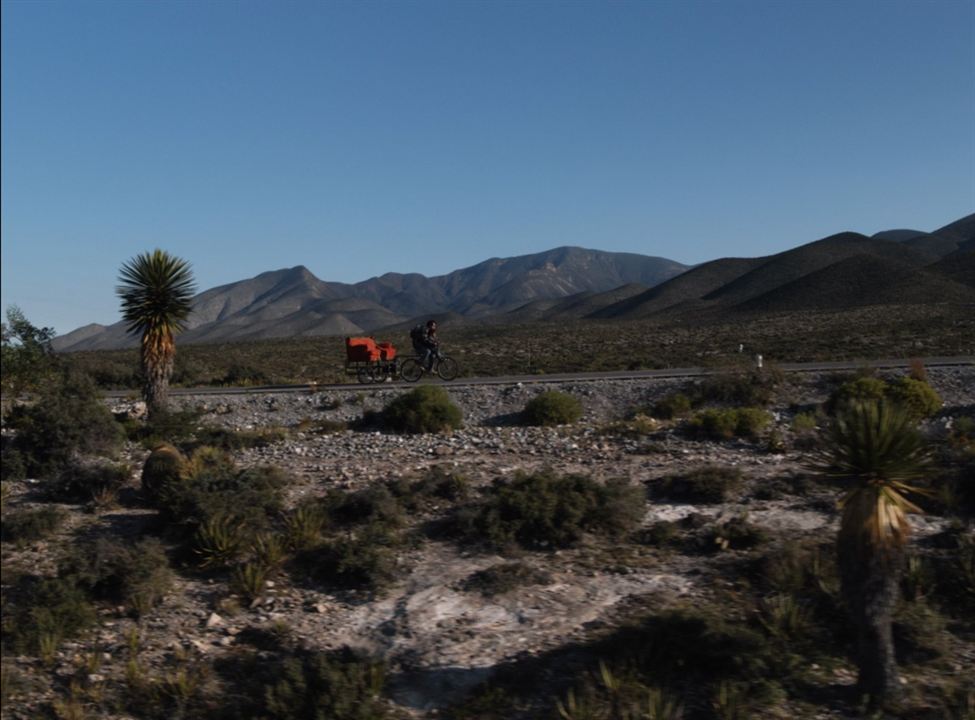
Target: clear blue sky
[358, 138]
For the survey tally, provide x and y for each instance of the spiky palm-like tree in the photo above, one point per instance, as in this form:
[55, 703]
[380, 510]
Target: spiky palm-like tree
[877, 449]
[156, 290]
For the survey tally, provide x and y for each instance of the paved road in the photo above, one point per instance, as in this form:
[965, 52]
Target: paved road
[563, 377]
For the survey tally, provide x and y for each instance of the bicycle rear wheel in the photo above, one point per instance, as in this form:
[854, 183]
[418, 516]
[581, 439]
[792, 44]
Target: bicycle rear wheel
[366, 374]
[410, 370]
[447, 368]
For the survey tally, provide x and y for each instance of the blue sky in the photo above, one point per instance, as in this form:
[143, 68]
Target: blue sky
[359, 138]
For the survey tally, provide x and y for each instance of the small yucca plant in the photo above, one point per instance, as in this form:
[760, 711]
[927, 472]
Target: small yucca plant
[303, 527]
[250, 581]
[269, 550]
[219, 541]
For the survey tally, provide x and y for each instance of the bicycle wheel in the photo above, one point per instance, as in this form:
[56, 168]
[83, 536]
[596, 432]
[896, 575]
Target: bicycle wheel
[410, 370]
[366, 374]
[447, 368]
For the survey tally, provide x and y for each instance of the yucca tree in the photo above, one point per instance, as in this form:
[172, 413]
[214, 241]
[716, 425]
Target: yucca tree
[156, 290]
[877, 449]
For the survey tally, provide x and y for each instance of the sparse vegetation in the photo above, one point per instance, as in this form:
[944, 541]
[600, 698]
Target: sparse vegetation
[551, 408]
[727, 423]
[545, 511]
[426, 409]
[706, 484]
[67, 421]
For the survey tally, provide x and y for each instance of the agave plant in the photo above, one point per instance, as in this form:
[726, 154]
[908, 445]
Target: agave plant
[156, 290]
[876, 448]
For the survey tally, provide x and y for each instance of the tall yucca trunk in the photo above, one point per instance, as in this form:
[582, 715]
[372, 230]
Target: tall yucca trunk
[158, 354]
[870, 583]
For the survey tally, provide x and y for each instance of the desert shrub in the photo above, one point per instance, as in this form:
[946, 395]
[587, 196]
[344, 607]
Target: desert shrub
[671, 406]
[162, 468]
[706, 484]
[28, 360]
[864, 388]
[734, 534]
[68, 419]
[167, 426]
[303, 526]
[44, 613]
[239, 374]
[715, 424]
[437, 487]
[375, 505]
[338, 685]
[28, 526]
[426, 409]
[210, 486]
[544, 510]
[751, 422]
[219, 541]
[551, 408]
[749, 388]
[505, 577]
[726, 423]
[249, 580]
[12, 466]
[360, 560]
[917, 397]
[135, 575]
[661, 534]
[84, 482]
[920, 634]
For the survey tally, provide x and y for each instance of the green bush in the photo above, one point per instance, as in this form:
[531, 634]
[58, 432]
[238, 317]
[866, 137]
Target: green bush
[26, 354]
[706, 484]
[726, 423]
[82, 483]
[12, 465]
[338, 685]
[734, 534]
[136, 575]
[167, 426]
[547, 511]
[45, 612]
[374, 505]
[361, 560]
[747, 388]
[426, 409]
[671, 406]
[505, 577]
[68, 419]
[751, 422]
[917, 397]
[864, 388]
[28, 526]
[551, 408]
[210, 486]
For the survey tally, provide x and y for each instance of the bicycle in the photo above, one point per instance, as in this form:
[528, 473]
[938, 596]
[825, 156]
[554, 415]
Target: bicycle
[446, 367]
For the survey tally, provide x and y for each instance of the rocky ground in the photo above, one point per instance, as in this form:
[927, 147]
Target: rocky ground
[438, 638]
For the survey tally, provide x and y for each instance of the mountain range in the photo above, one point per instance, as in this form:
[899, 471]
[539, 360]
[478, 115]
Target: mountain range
[845, 270]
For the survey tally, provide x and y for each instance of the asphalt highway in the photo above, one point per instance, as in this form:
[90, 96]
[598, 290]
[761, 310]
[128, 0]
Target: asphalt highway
[690, 372]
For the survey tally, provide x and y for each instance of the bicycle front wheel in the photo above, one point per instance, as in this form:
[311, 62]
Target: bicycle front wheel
[448, 369]
[410, 370]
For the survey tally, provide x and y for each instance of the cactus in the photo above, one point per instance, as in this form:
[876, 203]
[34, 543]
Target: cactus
[163, 466]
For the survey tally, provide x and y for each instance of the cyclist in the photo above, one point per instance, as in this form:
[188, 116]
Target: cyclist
[425, 343]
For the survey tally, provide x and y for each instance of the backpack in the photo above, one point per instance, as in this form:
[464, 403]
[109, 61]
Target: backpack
[417, 334]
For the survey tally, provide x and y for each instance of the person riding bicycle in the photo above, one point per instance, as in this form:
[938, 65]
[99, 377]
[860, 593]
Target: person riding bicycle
[425, 342]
